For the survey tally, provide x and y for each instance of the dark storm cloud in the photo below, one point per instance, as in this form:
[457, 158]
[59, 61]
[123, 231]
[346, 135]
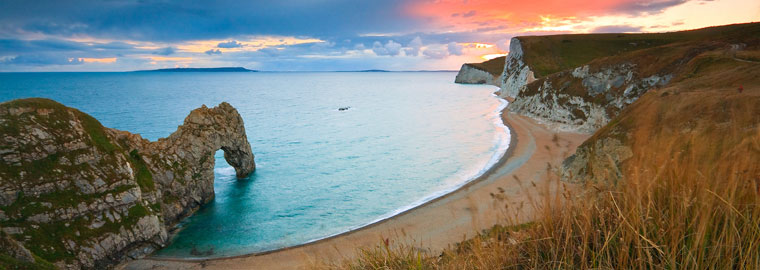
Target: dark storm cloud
[175, 20]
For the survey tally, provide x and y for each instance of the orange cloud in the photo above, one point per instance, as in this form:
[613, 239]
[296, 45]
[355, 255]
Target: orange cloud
[487, 12]
[98, 60]
[580, 16]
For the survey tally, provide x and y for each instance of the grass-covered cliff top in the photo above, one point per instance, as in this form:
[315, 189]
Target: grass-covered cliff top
[494, 66]
[549, 54]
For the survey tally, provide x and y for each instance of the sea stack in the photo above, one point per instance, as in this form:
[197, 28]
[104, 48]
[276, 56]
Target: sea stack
[79, 195]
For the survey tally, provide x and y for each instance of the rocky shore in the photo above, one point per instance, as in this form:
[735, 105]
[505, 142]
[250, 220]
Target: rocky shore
[77, 195]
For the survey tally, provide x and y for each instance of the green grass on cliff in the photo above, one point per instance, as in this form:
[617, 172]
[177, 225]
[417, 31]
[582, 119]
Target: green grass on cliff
[549, 54]
[48, 240]
[10, 263]
[494, 66]
[143, 177]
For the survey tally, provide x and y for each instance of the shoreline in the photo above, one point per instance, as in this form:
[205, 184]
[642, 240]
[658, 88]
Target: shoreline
[468, 214]
[478, 177]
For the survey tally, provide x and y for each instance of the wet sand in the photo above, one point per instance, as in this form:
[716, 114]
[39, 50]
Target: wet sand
[434, 225]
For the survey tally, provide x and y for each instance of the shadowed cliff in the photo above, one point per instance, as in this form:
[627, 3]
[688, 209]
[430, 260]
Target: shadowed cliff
[79, 195]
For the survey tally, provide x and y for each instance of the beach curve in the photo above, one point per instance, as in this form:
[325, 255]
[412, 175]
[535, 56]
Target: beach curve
[433, 225]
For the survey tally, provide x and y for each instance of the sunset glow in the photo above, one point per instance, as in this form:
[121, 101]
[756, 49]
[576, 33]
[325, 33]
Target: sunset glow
[403, 35]
[492, 56]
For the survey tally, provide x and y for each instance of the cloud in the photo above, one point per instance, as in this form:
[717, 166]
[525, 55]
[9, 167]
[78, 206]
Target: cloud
[469, 14]
[178, 20]
[229, 44]
[656, 6]
[273, 52]
[520, 15]
[413, 49]
[212, 52]
[616, 29]
[165, 51]
[42, 60]
[391, 48]
[435, 53]
[454, 48]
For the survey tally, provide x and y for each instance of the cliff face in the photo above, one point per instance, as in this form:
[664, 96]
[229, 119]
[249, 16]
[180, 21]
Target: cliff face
[701, 124]
[471, 75]
[487, 72]
[80, 195]
[655, 102]
[517, 73]
[585, 80]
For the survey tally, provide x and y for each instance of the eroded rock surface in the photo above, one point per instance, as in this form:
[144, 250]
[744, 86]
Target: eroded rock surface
[79, 195]
[469, 74]
[517, 74]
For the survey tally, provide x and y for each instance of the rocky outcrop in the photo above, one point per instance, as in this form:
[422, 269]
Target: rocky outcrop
[585, 98]
[517, 74]
[597, 161]
[698, 121]
[487, 72]
[582, 100]
[80, 195]
[469, 74]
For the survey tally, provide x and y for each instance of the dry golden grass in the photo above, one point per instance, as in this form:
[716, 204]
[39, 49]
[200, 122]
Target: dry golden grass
[662, 218]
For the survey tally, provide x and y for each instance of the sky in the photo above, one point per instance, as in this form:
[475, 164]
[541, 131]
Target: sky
[318, 35]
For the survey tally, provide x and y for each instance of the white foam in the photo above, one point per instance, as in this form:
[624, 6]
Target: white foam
[225, 170]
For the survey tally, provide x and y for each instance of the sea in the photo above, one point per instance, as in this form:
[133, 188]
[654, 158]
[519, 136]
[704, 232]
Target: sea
[403, 138]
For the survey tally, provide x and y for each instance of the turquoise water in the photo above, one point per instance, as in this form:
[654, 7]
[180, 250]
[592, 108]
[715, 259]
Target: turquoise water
[407, 138]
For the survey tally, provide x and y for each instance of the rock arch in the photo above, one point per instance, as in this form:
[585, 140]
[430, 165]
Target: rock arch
[184, 163]
[107, 194]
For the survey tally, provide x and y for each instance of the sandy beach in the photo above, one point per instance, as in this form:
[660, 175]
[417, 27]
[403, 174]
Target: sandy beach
[434, 225]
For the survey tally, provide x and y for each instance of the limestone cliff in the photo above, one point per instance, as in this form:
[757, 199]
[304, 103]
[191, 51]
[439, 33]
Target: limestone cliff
[580, 82]
[80, 195]
[487, 72]
[516, 72]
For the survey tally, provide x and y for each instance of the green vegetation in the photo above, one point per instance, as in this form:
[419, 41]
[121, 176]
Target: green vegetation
[10, 263]
[494, 66]
[551, 54]
[49, 241]
[26, 206]
[143, 177]
[97, 133]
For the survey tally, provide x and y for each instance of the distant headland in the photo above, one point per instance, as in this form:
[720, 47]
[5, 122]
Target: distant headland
[217, 69]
